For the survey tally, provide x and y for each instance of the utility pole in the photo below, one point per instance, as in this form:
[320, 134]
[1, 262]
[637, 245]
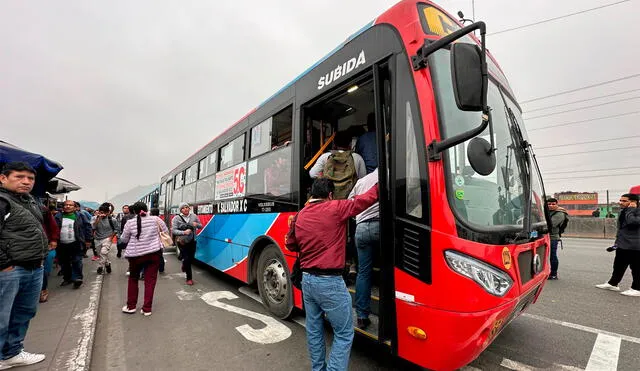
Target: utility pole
[608, 205]
[473, 10]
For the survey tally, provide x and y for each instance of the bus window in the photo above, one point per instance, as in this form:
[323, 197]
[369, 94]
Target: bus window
[191, 174]
[413, 194]
[205, 189]
[179, 180]
[270, 175]
[272, 133]
[207, 166]
[232, 153]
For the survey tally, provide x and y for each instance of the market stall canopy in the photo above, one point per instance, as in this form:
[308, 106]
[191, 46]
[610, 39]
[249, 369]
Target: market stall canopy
[45, 168]
[59, 186]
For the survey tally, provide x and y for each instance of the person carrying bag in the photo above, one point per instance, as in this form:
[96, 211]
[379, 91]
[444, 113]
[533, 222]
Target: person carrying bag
[184, 227]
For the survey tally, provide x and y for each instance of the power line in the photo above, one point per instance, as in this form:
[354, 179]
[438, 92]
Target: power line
[580, 101]
[584, 121]
[556, 18]
[581, 88]
[580, 108]
[589, 142]
[592, 151]
[589, 177]
[590, 170]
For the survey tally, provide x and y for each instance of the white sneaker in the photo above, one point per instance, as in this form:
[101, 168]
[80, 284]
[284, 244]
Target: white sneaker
[128, 273]
[146, 314]
[631, 292]
[606, 286]
[22, 359]
[126, 309]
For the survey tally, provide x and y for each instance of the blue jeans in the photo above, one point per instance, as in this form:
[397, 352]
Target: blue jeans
[48, 266]
[19, 295]
[553, 257]
[367, 240]
[327, 294]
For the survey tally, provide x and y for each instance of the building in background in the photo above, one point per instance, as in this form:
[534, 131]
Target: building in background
[578, 203]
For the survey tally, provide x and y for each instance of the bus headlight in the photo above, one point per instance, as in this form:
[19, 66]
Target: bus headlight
[493, 280]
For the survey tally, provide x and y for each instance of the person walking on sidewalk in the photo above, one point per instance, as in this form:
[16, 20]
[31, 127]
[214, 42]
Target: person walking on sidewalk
[559, 221]
[144, 249]
[87, 218]
[53, 235]
[22, 247]
[126, 216]
[105, 229]
[627, 246]
[318, 234]
[184, 227]
[75, 234]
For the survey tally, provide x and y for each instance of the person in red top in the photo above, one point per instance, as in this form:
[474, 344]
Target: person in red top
[53, 235]
[318, 233]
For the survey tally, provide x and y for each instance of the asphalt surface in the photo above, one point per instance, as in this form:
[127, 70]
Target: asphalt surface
[215, 325]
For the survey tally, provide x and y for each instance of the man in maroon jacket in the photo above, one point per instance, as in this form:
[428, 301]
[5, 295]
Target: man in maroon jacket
[318, 233]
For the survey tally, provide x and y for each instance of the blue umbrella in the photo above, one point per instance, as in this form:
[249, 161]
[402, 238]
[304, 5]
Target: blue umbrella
[46, 169]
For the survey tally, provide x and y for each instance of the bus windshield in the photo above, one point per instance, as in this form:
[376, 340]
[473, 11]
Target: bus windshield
[498, 199]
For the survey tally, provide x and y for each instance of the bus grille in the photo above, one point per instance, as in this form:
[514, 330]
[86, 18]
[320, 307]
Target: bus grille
[411, 252]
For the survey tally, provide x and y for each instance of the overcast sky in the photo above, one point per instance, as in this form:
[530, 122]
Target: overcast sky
[120, 92]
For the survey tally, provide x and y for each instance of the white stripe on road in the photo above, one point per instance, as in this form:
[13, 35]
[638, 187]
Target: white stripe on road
[246, 290]
[592, 330]
[470, 368]
[605, 354]
[81, 355]
[517, 366]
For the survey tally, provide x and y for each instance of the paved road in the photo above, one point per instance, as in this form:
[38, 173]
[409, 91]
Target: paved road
[213, 325]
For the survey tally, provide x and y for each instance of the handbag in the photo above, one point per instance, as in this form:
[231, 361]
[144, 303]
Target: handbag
[165, 238]
[182, 240]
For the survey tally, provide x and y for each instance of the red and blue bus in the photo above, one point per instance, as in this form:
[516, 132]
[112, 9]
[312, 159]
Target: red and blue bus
[464, 241]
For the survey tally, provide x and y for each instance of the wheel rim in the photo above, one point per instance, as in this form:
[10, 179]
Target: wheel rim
[274, 281]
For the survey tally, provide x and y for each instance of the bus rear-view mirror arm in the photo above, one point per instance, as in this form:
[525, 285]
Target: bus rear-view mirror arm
[470, 81]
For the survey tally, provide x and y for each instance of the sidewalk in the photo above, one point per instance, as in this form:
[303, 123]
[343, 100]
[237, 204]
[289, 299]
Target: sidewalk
[64, 327]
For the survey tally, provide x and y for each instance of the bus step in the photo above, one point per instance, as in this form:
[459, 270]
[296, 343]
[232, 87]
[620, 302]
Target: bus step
[375, 298]
[372, 330]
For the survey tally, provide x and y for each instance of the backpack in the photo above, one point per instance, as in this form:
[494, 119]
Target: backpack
[111, 224]
[340, 168]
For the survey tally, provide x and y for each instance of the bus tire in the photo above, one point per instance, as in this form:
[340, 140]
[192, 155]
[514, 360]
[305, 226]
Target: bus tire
[274, 283]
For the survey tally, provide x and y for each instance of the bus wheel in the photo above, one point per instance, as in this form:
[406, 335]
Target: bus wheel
[274, 283]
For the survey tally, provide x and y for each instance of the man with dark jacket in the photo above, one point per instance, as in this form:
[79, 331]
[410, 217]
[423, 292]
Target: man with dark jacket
[559, 220]
[126, 216]
[318, 233]
[627, 246]
[75, 235]
[22, 247]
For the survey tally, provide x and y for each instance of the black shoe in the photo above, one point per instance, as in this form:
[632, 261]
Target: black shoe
[119, 254]
[77, 284]
[108, 268]
[100, 270]
[65, 283]
[363, 323]
[60, 272]
[553, 277]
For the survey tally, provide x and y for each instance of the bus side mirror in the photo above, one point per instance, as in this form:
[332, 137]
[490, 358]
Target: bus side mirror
[466, 74]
